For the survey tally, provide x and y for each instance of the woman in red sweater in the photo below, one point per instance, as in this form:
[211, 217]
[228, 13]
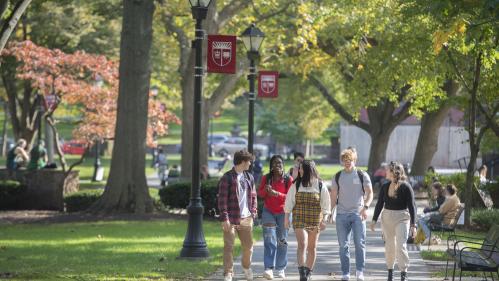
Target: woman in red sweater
[273, 189]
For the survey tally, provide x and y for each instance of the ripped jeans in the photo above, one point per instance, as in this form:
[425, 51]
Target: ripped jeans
[275, 255]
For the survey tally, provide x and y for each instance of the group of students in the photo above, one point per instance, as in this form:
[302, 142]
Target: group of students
[18, 157]
[300, 199]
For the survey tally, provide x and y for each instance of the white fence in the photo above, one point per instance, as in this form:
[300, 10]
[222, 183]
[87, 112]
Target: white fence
[452, 144]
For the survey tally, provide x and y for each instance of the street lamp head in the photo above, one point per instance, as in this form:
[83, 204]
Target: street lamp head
[199, 8]
[252, 38]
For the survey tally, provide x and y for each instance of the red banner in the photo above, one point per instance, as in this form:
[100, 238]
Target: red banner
[268, 84]
[221, 54]
[51, 102]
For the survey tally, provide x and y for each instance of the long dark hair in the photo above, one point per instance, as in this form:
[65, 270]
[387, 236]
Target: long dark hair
[309, 172]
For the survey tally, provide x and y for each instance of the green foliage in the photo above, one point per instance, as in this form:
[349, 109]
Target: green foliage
[82, 200]
[117, 250]
[485, 218]
[11, 194]
[177, 195]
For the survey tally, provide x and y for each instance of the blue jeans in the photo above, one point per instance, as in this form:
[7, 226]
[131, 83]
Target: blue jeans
[275, 254]
[345, 223]
[425, 221]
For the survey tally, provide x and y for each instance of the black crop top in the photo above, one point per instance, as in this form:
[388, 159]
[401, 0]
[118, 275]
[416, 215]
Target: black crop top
[403, 200]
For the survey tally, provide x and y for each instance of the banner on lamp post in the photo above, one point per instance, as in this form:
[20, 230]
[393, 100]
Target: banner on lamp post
[51, 102]
[221, 54]
[268, 84]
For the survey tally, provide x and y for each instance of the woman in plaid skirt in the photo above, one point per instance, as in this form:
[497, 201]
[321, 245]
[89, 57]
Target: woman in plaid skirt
[310, 204]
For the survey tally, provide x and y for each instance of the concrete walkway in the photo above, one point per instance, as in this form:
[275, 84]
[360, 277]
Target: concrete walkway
[327, 266]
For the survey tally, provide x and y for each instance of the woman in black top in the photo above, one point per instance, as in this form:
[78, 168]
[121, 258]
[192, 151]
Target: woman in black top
[396, 199]
[438, 194]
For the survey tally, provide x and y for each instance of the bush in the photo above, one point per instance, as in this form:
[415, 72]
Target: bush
[459, 180]
[11, 195]
[485, 218]
[82, 200]
[177, 195]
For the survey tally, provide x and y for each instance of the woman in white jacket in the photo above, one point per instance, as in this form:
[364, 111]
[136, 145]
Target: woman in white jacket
[308, 200]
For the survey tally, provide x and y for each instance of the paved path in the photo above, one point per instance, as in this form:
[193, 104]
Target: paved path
[327, 266]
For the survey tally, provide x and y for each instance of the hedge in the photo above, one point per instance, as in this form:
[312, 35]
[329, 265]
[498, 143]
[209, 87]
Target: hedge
[485, 218]
[11, 195]
[177, 196]
[82, 200]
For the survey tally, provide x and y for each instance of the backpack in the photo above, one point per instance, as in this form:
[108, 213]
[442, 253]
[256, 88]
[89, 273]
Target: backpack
[337, 180]
[286, 180]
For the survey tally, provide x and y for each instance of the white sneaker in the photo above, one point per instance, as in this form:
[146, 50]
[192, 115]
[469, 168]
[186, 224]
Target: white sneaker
[345, 277]
[280, 274]
[228, 277]
[268, 274]
[360, 276]
[248, 273]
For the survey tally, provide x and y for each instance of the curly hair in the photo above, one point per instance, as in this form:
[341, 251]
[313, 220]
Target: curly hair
[398, 172]
[272, 159]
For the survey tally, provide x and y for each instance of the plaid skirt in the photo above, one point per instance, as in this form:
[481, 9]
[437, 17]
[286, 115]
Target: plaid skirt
[307, 212]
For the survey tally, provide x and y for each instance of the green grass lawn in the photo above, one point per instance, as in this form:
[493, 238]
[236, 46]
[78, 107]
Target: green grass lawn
[118, 250]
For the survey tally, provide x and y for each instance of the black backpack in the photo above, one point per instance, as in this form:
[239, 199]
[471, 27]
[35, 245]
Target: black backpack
[337, 180]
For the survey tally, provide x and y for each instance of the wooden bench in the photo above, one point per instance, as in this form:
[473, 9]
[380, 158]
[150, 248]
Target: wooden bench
[468, 258]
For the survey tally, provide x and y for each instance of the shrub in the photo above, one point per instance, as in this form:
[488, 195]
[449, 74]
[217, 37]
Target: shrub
[177, 195]
[82, 200]
[11, 194]
[485, 218]
[459, 180]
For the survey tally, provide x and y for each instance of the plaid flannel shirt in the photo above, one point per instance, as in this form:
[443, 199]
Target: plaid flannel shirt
[228, 197]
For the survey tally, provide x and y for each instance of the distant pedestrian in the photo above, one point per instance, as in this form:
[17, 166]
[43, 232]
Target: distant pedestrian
[237, 204]
[309, 202]
[162, 166]
[396, 199]
[257, 169]
[273, 190]
[298, 158]
[352, 192]
[17, 157]
[38, 157]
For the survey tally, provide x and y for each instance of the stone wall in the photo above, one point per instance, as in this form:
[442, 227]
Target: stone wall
[45, 188]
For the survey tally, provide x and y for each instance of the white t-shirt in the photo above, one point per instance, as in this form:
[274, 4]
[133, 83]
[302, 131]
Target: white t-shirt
[243, 196]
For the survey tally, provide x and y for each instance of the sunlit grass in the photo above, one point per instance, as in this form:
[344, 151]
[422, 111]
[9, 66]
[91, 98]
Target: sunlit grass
[120, 250]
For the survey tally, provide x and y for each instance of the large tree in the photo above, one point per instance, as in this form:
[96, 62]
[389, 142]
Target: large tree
[126, 189]
[9, 16]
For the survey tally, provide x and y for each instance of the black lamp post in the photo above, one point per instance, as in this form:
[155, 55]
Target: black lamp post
[252, 38]
[194, 242]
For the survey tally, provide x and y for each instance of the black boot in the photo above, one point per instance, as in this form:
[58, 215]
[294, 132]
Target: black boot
[308, 274]
[403, 276]
[390, 275]
[303, 276]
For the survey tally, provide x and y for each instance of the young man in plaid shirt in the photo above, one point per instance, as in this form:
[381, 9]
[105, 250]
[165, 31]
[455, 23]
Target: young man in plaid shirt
[238, 207]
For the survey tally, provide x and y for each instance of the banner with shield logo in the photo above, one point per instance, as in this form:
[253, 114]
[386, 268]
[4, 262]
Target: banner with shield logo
[268, 84]
[221, 54]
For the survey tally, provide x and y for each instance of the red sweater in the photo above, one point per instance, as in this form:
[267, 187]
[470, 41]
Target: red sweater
[275, 204]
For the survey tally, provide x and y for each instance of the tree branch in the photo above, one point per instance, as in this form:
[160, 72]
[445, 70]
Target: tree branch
[229, 11]
[490, 118]
[182, 39]
[336, 105]
[456, 69]
[264, 17]
[225, 87]
[9, 26]
[62, 160]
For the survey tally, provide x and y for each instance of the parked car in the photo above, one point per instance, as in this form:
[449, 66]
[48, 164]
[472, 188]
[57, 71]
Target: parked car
[74, 147]
[231, 145]
[212, 139]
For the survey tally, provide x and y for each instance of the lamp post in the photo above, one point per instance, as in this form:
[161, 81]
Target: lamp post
[194, 242]
[97, 175]
[252, 38]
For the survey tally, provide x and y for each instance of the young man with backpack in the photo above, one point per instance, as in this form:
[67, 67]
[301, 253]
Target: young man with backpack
[352, 192]
[273, 189]
[238, 207]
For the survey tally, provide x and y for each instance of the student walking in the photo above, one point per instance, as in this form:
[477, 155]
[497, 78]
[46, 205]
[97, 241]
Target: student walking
[352, 193]
[309, 203]
[273, 189]
[396, 199]
[162, 166]
[237, 204]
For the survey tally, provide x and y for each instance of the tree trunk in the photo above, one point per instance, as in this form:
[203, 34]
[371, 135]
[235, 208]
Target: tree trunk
[11, 23]
[187, 117]
[431, 122]
[4, 130]
[379, 145]
[127, 189]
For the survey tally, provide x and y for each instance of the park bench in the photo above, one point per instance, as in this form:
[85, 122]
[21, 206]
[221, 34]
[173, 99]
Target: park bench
[468, 258]
[444, 227]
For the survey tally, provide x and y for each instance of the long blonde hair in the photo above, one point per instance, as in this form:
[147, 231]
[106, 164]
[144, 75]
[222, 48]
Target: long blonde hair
[398, 172]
